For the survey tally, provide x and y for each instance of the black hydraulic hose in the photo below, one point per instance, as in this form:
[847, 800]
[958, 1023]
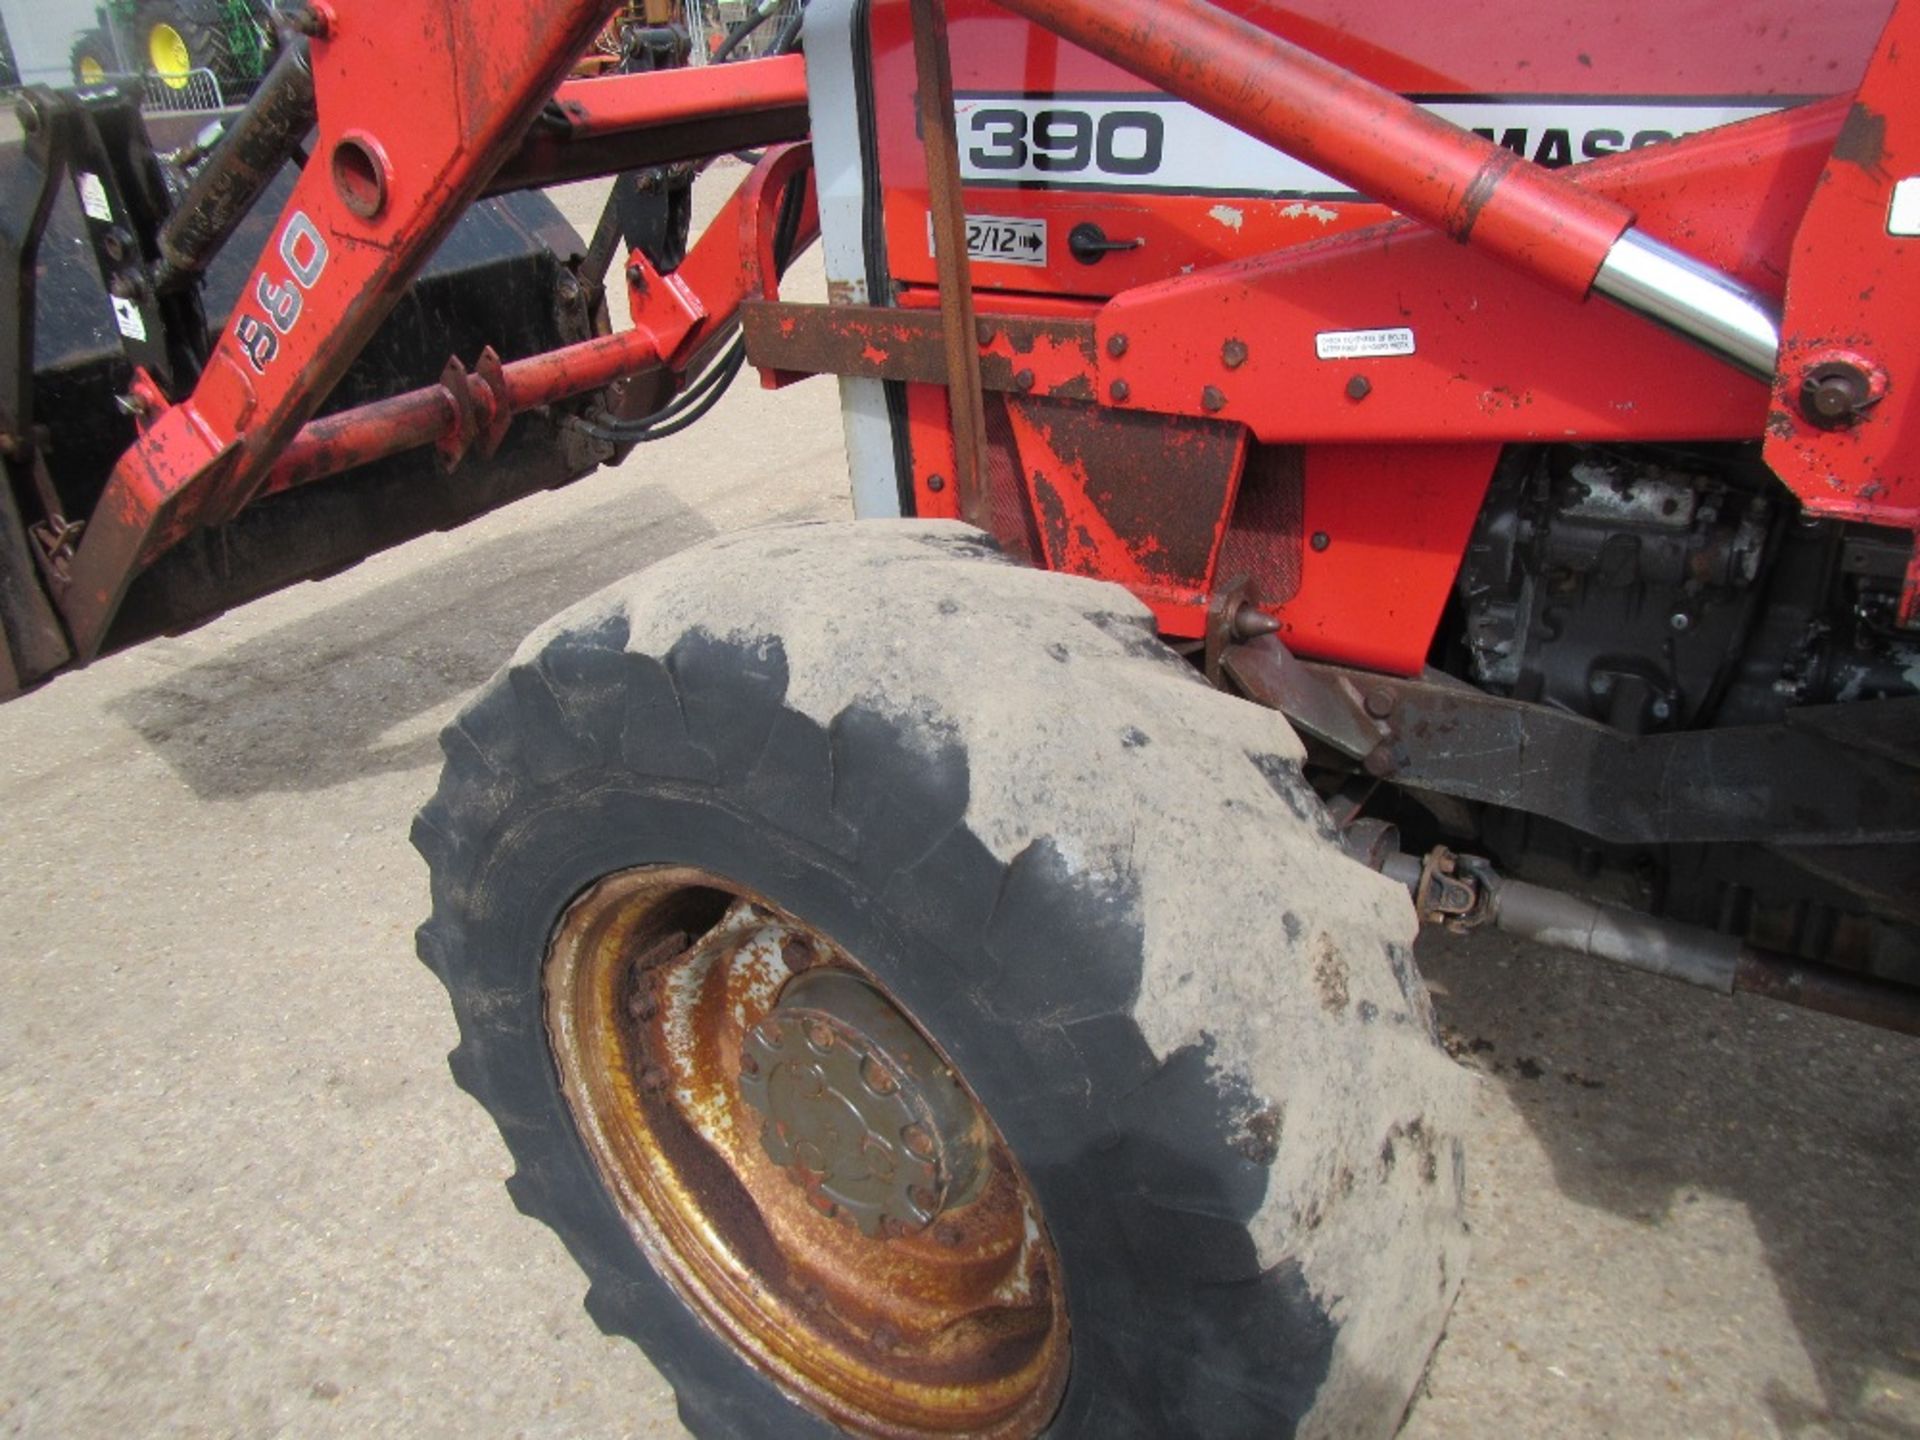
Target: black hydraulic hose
[783, 44]
[738, 34]
[697, 401]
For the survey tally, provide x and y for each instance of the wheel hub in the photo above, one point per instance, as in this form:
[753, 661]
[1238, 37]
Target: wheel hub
[859, 1110]
[801, 1162]
[167, 49]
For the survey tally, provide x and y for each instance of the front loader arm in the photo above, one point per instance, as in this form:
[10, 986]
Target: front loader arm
[417, 106]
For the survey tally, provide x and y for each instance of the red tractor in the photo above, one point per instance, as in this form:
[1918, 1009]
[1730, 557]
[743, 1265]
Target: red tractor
[1320, 470]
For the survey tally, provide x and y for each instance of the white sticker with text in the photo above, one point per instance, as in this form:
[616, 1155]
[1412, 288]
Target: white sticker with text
[126, 315]
[1359, 344]
[93, 198]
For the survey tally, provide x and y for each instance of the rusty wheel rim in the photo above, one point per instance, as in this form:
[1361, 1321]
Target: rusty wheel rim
[795, 1157]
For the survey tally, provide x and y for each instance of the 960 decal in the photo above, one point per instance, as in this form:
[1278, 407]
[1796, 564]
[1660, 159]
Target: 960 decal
[278, 302]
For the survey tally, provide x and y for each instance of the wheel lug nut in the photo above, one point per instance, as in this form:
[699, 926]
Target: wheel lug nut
[819, 1035]
[877, 1078]
[916, 1139]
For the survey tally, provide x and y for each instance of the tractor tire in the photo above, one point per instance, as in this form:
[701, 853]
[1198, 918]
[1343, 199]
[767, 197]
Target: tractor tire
[93, 59]
[923, 1006]
[177, 38]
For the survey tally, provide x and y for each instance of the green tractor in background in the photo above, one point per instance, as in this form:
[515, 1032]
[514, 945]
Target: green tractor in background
[174, 41]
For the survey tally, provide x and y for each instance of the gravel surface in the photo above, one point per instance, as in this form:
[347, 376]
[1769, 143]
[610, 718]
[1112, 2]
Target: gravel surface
[240, 1196]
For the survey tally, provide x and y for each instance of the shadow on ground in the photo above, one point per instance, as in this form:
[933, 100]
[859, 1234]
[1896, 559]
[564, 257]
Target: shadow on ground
[324, 700]
[1645, 1094]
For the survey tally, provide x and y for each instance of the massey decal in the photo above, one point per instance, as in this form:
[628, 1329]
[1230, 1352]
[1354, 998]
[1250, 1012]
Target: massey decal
[1151, 143]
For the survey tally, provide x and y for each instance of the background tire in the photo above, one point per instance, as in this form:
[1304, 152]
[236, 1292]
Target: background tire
[177, 38]
[1102, 887]
[93, 59]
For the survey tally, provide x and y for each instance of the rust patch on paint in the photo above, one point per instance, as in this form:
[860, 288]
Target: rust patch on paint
[1863, 139]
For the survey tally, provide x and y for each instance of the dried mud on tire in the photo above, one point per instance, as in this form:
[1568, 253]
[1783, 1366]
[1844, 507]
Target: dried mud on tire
[1103, 888]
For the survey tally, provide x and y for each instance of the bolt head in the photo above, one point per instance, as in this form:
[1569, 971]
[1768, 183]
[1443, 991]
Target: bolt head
[1380, 703]
[877, 1077]
[1835, 394]
[936, 483]
[1120, 390]
[1250, 622]
[1321, 540]
[1213, 400]
[1023, 381]
[1233, 354]
[1359, 387]
[1116, 346]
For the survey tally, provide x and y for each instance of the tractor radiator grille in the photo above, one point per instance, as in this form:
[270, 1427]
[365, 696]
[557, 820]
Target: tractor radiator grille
[1011, 515]
[1263, 539]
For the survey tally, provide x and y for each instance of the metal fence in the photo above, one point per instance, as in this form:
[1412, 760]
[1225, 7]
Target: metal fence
[708, 22]
[196, 90]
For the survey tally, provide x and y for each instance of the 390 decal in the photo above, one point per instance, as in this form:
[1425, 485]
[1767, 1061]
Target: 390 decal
[1147, 143]
[1066, 141]
[304, 252]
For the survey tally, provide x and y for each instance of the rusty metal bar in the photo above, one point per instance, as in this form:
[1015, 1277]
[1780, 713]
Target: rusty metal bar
[1832, 992]
[440, 415]
[658, 117]
[935, 72]
[244, 162]
[1362, 134]
[1465, 890]
[1021, 354]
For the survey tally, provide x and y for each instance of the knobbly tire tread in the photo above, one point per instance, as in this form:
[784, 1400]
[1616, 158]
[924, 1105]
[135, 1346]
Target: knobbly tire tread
[200, 24]
[648, 726]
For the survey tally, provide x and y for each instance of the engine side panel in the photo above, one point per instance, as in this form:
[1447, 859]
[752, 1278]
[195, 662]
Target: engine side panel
[1058, 146]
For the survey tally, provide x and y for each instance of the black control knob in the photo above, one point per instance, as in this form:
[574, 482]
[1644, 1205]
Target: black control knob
[1089, 243]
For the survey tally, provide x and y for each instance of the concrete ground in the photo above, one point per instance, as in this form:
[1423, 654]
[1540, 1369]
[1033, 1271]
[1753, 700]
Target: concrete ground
[239, 1195]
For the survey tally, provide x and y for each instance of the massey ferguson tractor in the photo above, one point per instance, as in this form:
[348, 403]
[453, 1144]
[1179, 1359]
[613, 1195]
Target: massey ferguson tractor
[1321, 468]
